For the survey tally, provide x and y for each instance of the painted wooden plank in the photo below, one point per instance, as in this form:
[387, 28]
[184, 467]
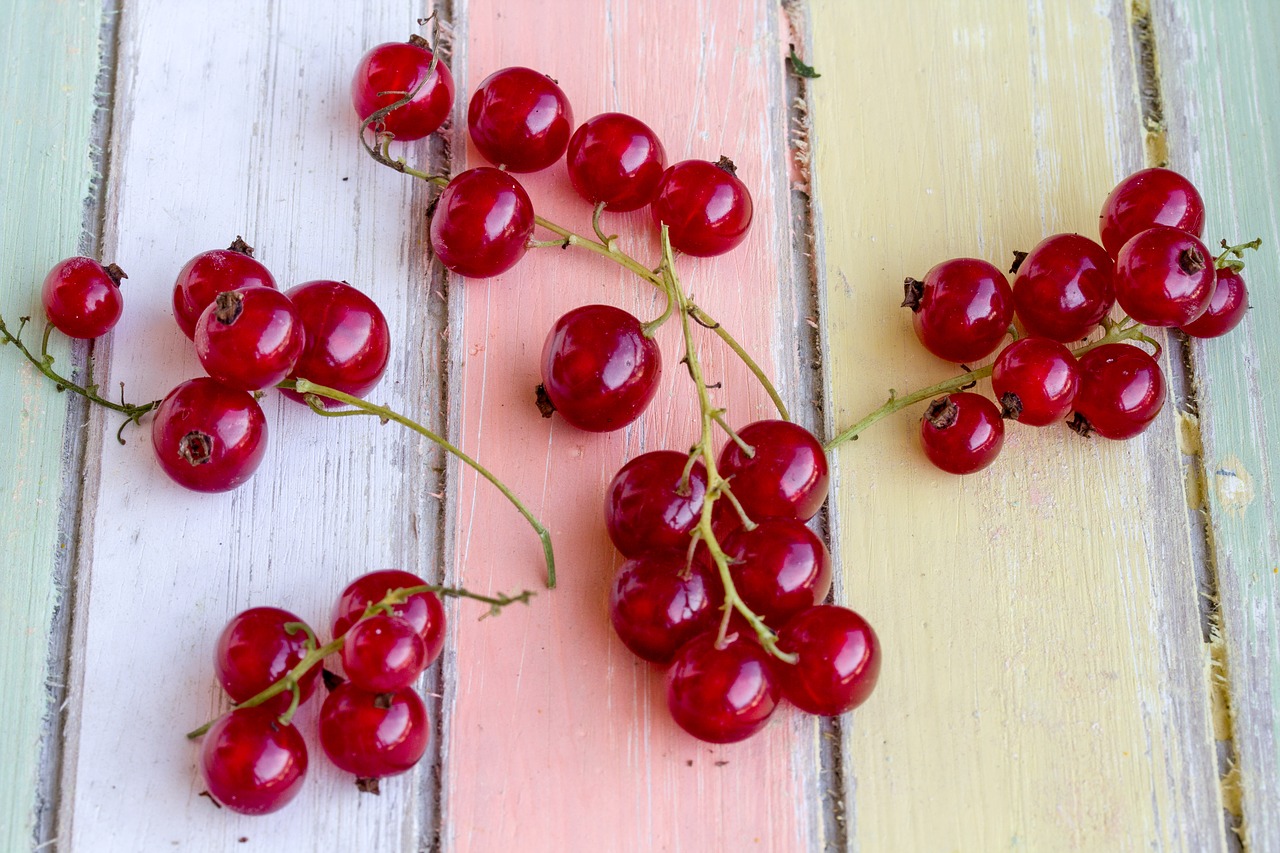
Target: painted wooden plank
[47, 106]
[1044, 681]
[1217, 73]
[559, 738]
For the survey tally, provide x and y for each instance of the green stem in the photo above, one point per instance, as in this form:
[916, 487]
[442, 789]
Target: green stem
[1232, 257]
[305, 387]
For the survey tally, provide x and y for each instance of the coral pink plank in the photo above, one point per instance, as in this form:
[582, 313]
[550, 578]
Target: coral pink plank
[559, 739]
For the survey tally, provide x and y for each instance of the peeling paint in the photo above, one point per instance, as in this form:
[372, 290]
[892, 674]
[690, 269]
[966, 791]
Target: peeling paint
[1233, 485]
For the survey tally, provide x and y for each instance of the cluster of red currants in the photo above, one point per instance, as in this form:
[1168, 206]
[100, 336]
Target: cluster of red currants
[1151, 263]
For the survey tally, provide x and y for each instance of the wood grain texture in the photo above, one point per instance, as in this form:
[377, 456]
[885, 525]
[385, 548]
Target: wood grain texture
[559, 738]
[1044, 680]
[1217, 67]
[47, 106]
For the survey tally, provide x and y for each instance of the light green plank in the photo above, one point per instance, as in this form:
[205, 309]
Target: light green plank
[46, 109]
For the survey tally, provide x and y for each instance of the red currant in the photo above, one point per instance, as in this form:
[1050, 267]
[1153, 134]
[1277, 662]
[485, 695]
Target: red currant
[1122, 389]
[520, 120]
[213, 272]
[1164, 277]
[482, 223]
[1227, 307]
[390, 71]
[1035, 380]
[1148, 198]
[1064, 287]
[249, 338]
[82, 297]
[383, 653]
[839, 660]
[656, 605]
[650, 506]
[251, 763]
[961, 310]
[616, 159]
[347, 340]
[785, 475]
[209, 437]
[962, 432]
[373, 734]
[422, 610]
[255, 650]
[780, 567]
[721, 695]
[705, 207]
[599, 369]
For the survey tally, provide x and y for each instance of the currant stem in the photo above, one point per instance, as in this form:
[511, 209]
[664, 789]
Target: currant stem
[1232, 257]
[308, 388]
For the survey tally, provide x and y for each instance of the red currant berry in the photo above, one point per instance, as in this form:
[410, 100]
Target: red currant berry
[482, 223]
[839, 660]
[650, 506]
[255, 650]
[616, 159]
[785, 475]
[721, 695]
[779, 567]
[373, 734]
[348, 343]
[520, 120]
[210, 273]
[962, 309]
[706, 209]
[422, 610]
[962, 432]
[390, 71]
[1122, 389]
[1035, 380]
[82, 297]
[1164, 277]
[1227, 307]
[209, 437]
[383, 653]
[1064, 287]
[1146, 199]
[599, 369]
[249, 338]
[251, 763]
[656, 605]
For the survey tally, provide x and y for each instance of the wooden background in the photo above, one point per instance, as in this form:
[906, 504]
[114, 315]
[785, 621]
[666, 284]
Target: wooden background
[1080, 644]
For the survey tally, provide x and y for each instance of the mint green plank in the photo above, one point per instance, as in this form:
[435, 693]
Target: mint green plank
[1222, 104]
[46, 109]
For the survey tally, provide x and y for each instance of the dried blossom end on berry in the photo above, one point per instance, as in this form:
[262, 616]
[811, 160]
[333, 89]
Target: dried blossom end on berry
[941, 413]
[1010, 406]
[912, 293]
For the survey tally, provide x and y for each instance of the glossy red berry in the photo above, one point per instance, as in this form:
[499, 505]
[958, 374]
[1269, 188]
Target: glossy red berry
[213, 272]
[249, 338]
[1146, 199]
[422, 610]
[961, 310]
[722, 695]
[962, 432]
[616, 159]
[785, 475]
[388, 73]
[1164, 277]
[1064, 287]
[1227, 307]
[209, 437]
[251, 763]
[256, 649]
[599, 370]
[1122, 389]
[1035, 380]
[373, 734]
[704, 205]
[780, 567]
[482, 223]
[383, 653]
[656, 606]
[520, 120]
[82, 298]
[839, 660]
[348, 343]
[650, 506]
